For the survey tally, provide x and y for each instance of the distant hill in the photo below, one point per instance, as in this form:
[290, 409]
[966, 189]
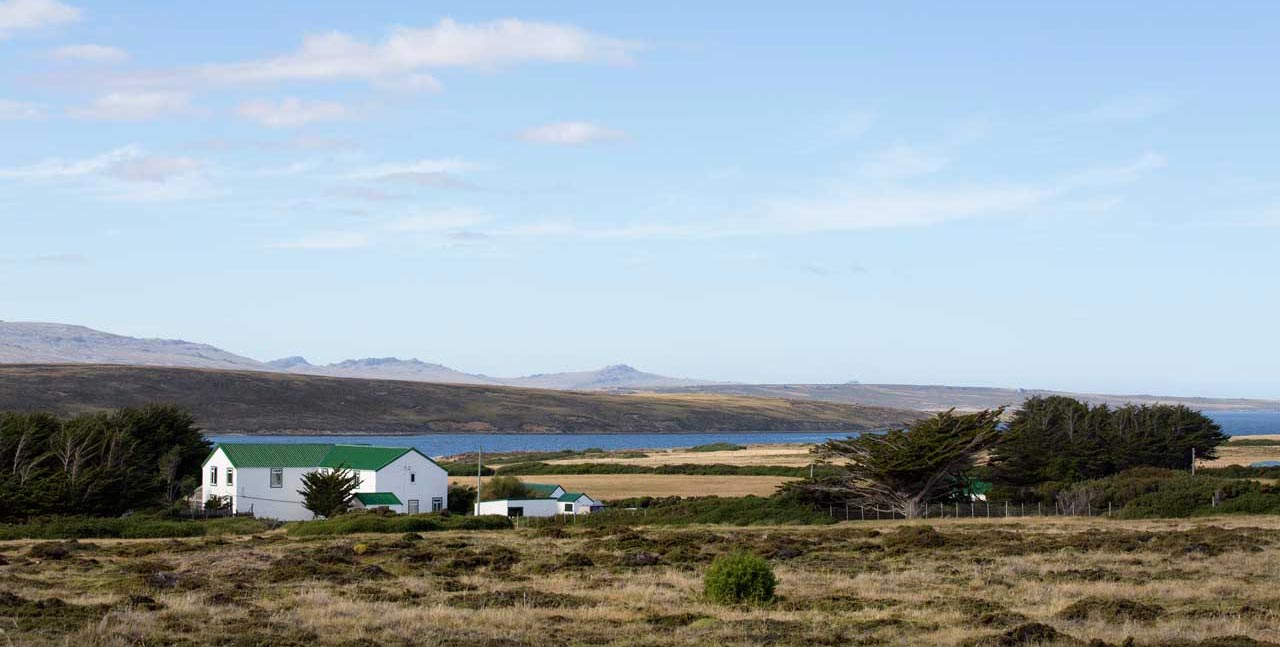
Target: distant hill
[384, 368]
[940, 398]
[618, 376]
[60, 343]
[275, 403]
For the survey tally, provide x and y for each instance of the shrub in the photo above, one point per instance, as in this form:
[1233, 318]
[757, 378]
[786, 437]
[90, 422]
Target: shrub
[739, 577]
[504, 487]
[135, 527]
[360, 522]
[718, 447]
[737, 511]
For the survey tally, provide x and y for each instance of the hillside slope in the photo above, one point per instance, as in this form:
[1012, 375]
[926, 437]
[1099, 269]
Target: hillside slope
[968, 398]
[258, 402]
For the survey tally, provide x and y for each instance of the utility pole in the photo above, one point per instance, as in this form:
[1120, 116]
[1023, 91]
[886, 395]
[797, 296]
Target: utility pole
[1193, 461]
[479, 470]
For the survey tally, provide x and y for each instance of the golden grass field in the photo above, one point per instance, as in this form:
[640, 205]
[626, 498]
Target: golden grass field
[872, 583]
[1229, 455]
[792, 455]
[623, 486]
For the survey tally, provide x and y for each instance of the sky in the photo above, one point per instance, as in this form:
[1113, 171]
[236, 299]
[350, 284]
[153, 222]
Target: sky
[1079, 197]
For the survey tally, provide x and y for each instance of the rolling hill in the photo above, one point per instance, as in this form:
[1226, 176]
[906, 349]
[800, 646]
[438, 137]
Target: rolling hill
[966, 398]
[277, 403]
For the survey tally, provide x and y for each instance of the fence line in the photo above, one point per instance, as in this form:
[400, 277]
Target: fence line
[967, 510]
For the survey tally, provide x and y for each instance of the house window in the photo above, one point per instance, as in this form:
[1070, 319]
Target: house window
[231, 476]
[568, 507]
[277, 477]
[413, 506]
[437, 504]
[213, 475]
[413, 478]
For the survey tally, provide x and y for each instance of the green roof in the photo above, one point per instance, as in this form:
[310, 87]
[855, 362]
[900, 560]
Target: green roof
[274, 454]
[377, 498]
[571, 496]
[356, 457]
[362, 457]
[541, 489]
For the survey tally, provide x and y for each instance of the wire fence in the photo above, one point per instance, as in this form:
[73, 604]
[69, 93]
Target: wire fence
[968, 510]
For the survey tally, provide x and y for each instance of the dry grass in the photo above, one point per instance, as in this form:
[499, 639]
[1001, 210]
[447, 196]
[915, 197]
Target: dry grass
[792, 455]
[851, 584]
[1235, 455]
[624, 486]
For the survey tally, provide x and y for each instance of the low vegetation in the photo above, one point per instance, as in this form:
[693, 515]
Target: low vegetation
[377, 521]
[718, 447]
[133, 527]
[1021, 583]
[711, 469]
[737, 578]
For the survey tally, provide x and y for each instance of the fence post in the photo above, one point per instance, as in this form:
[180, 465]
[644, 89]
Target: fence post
[846, 511]
[957, 509]
[1006, 509]
[1039, 509]
[862, 509]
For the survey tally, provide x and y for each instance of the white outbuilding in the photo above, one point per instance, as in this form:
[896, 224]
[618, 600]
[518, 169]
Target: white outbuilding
[265, 478]
[548, 501]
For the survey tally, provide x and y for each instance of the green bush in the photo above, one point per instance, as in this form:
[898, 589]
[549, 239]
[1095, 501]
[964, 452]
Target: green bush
[718, 447]
[372, 522]
[776, 510]
[739, 577]
[135, 527]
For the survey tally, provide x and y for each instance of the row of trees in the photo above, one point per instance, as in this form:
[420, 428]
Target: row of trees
[1054, 440]
[98, 463]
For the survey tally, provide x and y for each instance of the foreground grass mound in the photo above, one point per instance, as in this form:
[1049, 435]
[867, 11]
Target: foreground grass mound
[358, 522]
[135, 527]
[739, 577]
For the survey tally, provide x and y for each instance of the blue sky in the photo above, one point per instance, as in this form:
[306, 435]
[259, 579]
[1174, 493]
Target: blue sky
[1079, 197]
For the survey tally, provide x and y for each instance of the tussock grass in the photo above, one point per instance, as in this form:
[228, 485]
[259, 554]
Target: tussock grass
[981, 582]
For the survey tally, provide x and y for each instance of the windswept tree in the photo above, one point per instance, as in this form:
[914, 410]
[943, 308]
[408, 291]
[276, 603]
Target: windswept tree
[328, 492]
[1063, 440]
[906, 469]
[504, 487]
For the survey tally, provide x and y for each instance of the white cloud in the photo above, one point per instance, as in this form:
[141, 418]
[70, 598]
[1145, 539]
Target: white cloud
[444, 220]
[570, 133]
[439, 173]
[327, 240]
[154, 168]
[1138, 106]
[18, 110]
[17, 15]
[58, 168]
[403, 56]
[126, 173]
[898, 162]
[89, 53]
[134, 106]
[291, 112]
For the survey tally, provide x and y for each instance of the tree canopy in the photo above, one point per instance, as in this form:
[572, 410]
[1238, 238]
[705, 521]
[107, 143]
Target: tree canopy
[504, 487]
[98, 463]
[906, 469]
[1060, 439]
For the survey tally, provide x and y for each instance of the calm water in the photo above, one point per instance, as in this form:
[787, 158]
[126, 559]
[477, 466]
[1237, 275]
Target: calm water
[449, 444]
[1234, 423]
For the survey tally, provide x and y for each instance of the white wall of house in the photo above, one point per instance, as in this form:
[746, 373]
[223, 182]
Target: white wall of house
[412, 477]
[581, 506]
[532, 507]
[251, 488]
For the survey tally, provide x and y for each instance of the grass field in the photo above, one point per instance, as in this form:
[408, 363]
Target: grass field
[1237, 455]
[624, 486]
[795, 455]
[967, 583]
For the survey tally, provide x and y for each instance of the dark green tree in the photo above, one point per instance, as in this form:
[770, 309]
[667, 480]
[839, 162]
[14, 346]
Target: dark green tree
[328, 492]
[906, 469]
[462, 499]
[504, 487]
[1062, 440]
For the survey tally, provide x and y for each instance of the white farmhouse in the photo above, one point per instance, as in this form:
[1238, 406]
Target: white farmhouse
[549, 501]
[265, 478]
